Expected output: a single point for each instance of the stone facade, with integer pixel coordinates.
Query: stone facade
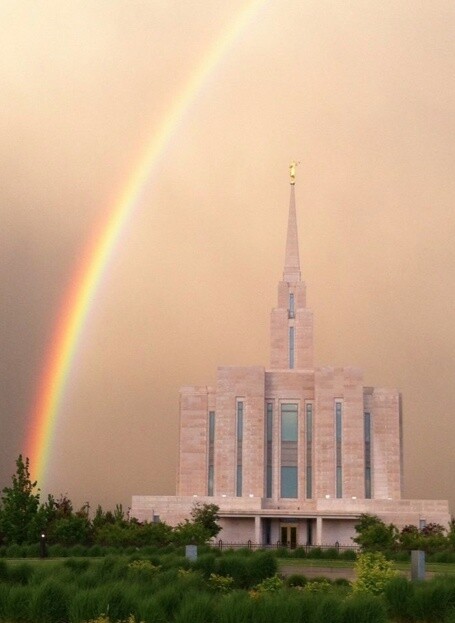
(295, 452)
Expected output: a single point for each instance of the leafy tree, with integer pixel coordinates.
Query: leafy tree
(206, 516)
(431, 538)
(19, 518)
(72, 530)
(374, 535)
(202, 527)
(373, 573)
(133, 533)
(190, 532)
(410, 538)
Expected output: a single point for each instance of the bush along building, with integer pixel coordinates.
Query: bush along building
(292, 453)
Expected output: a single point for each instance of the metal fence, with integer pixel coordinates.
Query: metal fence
(220, 544)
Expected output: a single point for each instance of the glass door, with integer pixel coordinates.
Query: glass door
(289, 535)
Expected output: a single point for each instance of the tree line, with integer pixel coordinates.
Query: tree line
(374, 535)
(24, 518)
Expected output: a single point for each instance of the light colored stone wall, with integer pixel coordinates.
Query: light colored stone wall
(353, 458)
(326, 388)
(341, 530)
(386, 438)
(339, 516)
(279, 336)
(237, 530)
(295, 386)
(246, 384)
(303, 328)
(192, 473)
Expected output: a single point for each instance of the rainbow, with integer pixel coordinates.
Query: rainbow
(80, 297)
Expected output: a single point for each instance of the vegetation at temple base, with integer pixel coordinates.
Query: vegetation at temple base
(116, 569)
(156, 586)
(23, 518)
(374, 535)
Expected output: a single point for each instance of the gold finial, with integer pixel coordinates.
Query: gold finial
(292, 168)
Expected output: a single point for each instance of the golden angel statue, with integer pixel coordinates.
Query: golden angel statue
(292, 168)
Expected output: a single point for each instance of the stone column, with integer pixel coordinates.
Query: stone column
(258, 530)
(318, 530)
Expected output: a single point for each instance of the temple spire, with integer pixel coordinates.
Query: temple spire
(292, 261)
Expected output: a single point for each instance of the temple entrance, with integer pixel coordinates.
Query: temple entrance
(289, 535)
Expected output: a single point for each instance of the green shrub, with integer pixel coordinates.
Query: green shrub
(373, 573)
(18, 604)
(196, 608)
(446, 556)
(316, 553)
(120, 600)
(4, 591)
(399, 594)
(87, 579)
(433, 601)
(317, 585)
(3, 551)
(328, 609)
(3, 571)
(299, 552)
(142, 570)
(343, 582)
(112, 568)
(84, 606)
(348, 554)
(206, 564)
(57, 551)
(15, 551)
(269, 585)
(364, 608)
(296, 579)
(221, 583)
(399, 556)
(95, 551)
(189, 579)
(50, 603)
(331, 553)
(277, 608)
(169, 598)
(236, 607)
(20, 574)
(261, 566)
(77, 565)
(236, 567)
(77, 551)
(283, 552)
(31, 551)
(150, 611)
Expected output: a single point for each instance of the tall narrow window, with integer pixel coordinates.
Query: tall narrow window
(289, 450)
(309, 450)
(338, 457)
(211, 453)
(268, 450)
(367, 442)
(291, 305)
(291, 347)
(239, 475)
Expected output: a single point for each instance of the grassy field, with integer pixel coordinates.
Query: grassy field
(299, 564)
(296, 565)
(228, 587)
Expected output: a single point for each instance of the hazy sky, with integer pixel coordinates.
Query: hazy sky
(361, 92)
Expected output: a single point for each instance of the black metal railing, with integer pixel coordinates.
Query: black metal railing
(284, 545)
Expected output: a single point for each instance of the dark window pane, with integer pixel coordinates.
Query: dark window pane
(289, 482)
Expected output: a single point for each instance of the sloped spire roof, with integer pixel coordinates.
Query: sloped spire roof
(292, 259)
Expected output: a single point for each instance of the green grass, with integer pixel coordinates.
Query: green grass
(445, 568)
